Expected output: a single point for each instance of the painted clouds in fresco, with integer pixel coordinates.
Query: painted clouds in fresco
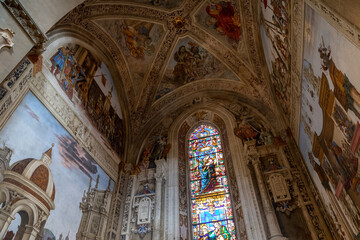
(29, 132)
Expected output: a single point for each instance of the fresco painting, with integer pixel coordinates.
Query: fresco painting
(32, 130)
(88, 84)
(329, 127)
(138, 42)
(191, 62)
(275, 33)
(168, 4)
(221, 18)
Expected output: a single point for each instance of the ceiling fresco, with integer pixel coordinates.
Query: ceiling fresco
(164, 56)
(191, 62)
(167, 4)
(138, 41)
(221, 19)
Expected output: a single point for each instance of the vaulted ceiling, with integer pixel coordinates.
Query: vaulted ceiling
(165, 55)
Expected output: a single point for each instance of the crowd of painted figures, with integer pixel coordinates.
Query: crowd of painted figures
(74, 68)
(277, 30)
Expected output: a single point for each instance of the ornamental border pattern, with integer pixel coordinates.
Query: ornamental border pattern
(297, 22)
(309, 192)
(183, 188)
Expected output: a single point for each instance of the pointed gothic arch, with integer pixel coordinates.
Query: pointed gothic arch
(212, 212)
(246, 209)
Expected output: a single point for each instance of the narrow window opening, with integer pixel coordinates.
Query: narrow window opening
(212, 215)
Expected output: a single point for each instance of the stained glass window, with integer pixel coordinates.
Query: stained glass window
(212, 216)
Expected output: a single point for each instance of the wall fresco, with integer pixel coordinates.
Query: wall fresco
(138, 42)
(191, 62)
(30, 131)
(275, 33)
(88, 84)
(329, 127)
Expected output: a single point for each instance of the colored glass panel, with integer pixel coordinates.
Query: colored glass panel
(217, 184)
(204, 146)
(211, 206)
(215, 230)
(203, 131)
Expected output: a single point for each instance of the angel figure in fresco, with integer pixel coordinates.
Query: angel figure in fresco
(138, 41)
(245, 131)
(219, 233)
(189, 63)
(131, 38)
(227, 20)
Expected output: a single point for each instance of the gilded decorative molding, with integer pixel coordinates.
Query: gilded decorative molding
(24, 19)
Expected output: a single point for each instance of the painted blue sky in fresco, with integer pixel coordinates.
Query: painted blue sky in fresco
(29, 132)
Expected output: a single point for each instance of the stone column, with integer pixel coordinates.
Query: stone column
(126, 221)
(20, 233)
(159, 176)
(30, 233)
(5, 220)
(272, 223)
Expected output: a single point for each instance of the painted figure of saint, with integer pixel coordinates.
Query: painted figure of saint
(58, 61)
(227, 20)
(183, 62)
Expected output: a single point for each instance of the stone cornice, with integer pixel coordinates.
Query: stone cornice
(18, 11)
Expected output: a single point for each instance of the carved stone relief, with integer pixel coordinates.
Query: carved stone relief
(6, 38)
